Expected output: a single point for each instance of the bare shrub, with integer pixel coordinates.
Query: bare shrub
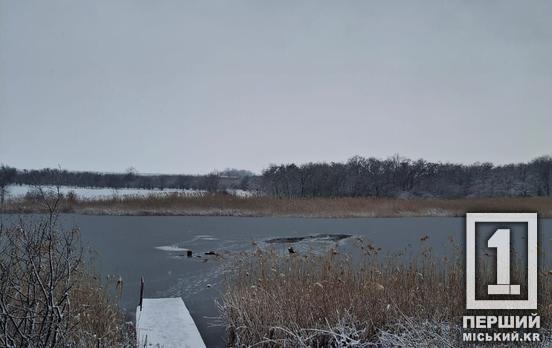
(48, 298)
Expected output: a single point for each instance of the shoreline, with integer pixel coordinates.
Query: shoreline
(222, 205)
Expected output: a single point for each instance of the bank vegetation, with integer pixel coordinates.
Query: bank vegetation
(49, 295)
(355, 298)
(227, 205)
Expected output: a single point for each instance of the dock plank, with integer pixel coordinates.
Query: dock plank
(167, 323)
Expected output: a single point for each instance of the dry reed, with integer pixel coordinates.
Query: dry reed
(227, 205)
(336, 300)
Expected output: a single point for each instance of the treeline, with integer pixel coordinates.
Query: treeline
(216, 181)
(358, 177)
(402, 177)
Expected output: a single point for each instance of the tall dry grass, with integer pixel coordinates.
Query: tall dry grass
(98, 320)
(335, 300)
(227, 205)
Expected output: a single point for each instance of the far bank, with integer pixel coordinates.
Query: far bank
(227, 205)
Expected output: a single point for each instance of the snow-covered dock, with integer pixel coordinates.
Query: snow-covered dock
(166, 322)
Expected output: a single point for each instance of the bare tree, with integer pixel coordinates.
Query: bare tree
(543, 173)
(7, 175)
(47, 297)
(37, 264)
(211, 182)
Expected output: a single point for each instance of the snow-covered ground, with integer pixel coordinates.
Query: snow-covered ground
(94, 193)
(241, 193)
(18, 191)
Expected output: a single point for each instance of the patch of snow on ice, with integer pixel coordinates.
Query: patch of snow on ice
(170, 248)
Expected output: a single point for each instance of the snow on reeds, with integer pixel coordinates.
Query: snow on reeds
(334, 299)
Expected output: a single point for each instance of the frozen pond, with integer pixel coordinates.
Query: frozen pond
(155, 247)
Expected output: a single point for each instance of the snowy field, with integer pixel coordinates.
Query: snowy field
(93, 193)
(241, 193)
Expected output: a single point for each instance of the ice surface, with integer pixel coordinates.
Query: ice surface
(170, 248)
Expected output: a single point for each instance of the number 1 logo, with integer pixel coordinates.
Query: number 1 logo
(500, 240)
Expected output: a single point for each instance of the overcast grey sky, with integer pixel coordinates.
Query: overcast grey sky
(191, 86)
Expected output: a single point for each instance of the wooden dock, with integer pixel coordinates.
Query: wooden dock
(166, 323)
